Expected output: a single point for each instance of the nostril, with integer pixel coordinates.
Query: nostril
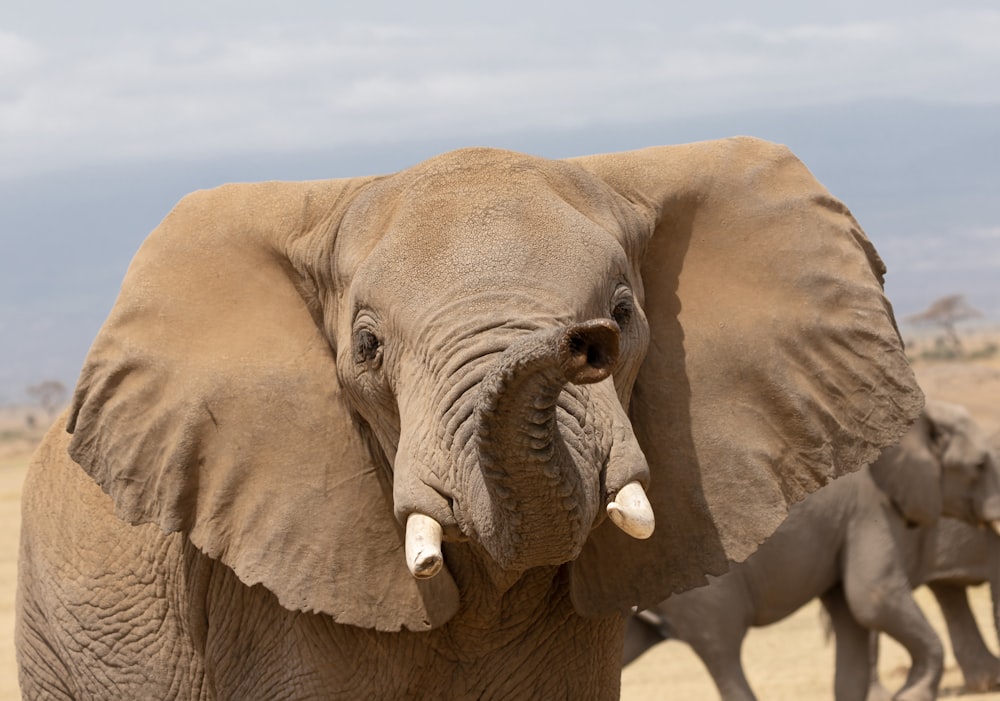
(591, 350)
(592, 354)
(596, 357)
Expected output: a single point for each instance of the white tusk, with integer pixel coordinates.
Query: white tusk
(423, 546)
(630, 511)
(995, 525)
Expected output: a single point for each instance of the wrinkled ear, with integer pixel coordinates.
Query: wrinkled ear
(774, 363)
(910, 474)
(209, 404)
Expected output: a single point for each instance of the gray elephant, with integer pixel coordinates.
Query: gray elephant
(967, 556)
(949, 557)
(405, 436)
(844, 544)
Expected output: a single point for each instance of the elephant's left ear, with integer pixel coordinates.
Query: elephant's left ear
(774, 362)
(209, 404)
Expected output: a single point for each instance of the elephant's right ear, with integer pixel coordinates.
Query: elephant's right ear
(774, 362)
(209, 403)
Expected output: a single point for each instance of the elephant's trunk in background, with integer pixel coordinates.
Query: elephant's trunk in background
(539, 461)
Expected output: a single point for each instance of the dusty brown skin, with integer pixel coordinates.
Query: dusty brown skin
(857, 544)
(487, 344)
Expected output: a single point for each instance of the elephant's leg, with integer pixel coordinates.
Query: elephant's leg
(714, 620)
(720, 649)
(876, 690)
(852, 661)
(640, 635)
(43, 675)
(979, 667)
(879, 596)
(905, 622)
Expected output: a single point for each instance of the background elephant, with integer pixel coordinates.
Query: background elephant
(405, 436)
(949, 557)
(844, 544)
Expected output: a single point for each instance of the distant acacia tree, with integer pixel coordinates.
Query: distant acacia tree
(50, 395)
(946, 312)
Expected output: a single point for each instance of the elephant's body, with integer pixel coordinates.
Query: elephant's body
(409, 435)
(171, 623)
(949, 557)
(860, 544)
(846, 528)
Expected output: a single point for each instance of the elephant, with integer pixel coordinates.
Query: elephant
(949, 557)
(967, 556)
(844, 544)
(433, 434)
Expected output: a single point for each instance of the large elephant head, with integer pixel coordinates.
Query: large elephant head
(945, 465)
(494, 356)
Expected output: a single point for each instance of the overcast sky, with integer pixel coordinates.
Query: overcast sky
(98, 81)
(110, 111)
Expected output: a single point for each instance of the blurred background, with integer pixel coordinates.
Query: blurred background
(111, 111)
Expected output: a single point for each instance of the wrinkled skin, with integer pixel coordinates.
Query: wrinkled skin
(432, 434)
(854, 543)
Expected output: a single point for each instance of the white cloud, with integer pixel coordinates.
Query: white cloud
(948, 250)
(831, 33)
(991, 234)
(272, 88)
(17, 54)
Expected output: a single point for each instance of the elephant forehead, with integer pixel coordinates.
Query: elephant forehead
(477, 214)
(469, 247)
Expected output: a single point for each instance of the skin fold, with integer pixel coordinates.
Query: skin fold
(860, 544)
(433, 434)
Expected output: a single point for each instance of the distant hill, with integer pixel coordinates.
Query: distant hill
(923, 180)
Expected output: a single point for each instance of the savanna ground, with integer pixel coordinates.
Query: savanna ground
(789, 660)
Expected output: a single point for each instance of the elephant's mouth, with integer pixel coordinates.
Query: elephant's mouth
(628, 508)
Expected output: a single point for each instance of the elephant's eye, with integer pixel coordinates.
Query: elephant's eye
(367, 347)
(622, 313)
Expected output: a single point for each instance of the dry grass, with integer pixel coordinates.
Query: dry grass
(12, 468)
(791, 659)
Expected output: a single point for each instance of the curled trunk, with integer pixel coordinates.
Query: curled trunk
(539, 461)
